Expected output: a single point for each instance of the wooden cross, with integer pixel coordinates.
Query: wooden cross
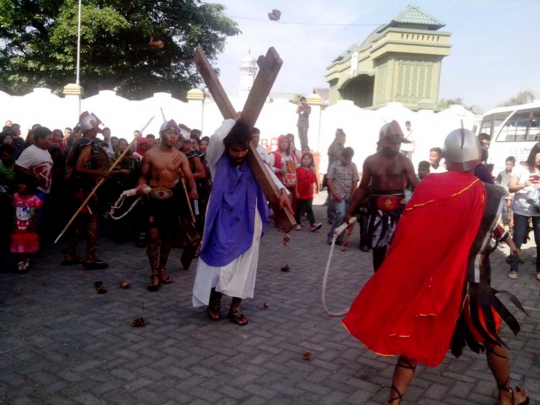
(269, 67)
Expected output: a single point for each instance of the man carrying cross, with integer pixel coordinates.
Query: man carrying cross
(237, 214)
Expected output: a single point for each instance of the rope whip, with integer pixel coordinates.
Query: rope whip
(337, 232)
(128, 193)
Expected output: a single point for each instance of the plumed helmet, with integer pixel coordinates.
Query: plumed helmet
(462, 151)
(89, 121)
(168, 125)
(392, 129)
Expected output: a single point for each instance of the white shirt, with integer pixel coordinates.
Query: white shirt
(262, 153)
(39, 162)
(439, 169)
(408, 147)
(520, 205)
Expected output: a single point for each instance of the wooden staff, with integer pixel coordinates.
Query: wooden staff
(189, 251)
(98, 185)
(188, 200)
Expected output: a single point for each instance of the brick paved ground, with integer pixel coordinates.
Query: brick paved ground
(61, 343)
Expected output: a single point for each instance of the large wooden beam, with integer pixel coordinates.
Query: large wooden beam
(269, 66)
(214, 85)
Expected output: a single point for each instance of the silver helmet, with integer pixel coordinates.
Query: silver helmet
(462, 151)
(391, 130)
(89, 121)
(168, 125)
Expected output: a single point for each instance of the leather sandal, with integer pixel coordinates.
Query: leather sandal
(164, 278)
(237, 316)
(72, 261)
(95, 265)
(154, 283)
(214, 312)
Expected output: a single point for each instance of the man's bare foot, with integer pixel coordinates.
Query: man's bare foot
(517, 396)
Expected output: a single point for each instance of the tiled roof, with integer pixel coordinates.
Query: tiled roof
(415, 15)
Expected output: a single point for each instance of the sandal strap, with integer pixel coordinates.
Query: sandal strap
(398, 398)
(407, 365)
(503, 387)
(237, 313)
(491, 351)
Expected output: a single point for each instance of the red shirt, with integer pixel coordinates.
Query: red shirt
(304, 183)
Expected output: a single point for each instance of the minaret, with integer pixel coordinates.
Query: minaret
(248, 70)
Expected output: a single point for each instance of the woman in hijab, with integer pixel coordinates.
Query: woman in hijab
(143, 145)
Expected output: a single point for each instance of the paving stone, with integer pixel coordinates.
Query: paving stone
(61, 343)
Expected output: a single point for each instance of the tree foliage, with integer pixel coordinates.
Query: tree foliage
(38, 44)
(522, 97)
(445, 103)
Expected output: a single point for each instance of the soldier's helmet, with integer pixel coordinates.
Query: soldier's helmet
(462, 151)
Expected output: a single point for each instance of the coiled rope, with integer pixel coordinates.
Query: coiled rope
(128, 193)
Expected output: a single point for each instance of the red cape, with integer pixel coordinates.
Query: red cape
(411, 304)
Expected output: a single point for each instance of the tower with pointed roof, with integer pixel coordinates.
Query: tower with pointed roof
(399, 62)
(248, 70)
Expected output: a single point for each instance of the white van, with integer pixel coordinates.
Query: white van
(514, 131)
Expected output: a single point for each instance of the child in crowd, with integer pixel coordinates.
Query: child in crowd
(7, 168)
(305, 180)
(503, 180)
(423, 169)
(24, 238)
(342, 182)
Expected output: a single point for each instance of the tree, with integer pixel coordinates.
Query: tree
(38, 42)
(445, 103)
(523, 97)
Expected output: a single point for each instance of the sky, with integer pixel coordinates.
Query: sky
(495, 48)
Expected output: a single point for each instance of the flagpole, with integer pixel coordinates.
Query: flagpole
(79, 42)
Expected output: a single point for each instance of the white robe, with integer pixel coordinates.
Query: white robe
(236, 279)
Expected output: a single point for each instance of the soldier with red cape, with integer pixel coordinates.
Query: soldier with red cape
(432, 292)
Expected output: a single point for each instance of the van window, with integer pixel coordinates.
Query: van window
(534, 128)
(516, 127)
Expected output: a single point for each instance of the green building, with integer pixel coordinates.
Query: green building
(399, 62)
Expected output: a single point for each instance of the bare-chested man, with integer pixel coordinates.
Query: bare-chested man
(388, 173)
(86, 164)
(161, 171)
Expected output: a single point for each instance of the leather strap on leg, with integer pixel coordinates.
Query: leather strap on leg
(490, 351)
(398, 398)
(407, 364)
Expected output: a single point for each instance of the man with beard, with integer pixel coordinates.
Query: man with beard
(388, 173)
(236, 216)
(161, 171)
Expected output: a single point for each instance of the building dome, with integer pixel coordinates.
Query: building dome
(248, 61)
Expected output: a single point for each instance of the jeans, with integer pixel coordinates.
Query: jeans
(330, 209)
(521, 229)
(306, 205)
(302, 134)
(339, 214)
